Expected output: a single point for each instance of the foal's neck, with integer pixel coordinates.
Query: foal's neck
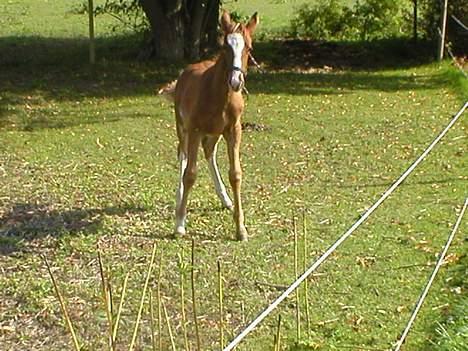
(220, 79)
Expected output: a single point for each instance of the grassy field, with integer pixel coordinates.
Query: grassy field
(88, 156)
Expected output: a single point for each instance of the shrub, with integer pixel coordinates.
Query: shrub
(377, 19)
(366, 20)
(324, 20)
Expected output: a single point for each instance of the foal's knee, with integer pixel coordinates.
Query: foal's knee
(235, 177)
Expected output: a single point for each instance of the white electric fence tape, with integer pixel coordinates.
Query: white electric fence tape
(332, 248)
(431, 279)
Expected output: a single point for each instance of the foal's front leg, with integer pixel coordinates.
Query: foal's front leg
(233, 140)
(188, 168)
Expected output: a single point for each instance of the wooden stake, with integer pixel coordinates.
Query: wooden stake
(182, 299)
(159, 304)
(119, 311)
(243, 312)
(63, 307)
(296, 274)
(221, 309)
(168, 326)
(143, 295)
(440, 55)
(194, 304)
(92, 48)
(107, 297)
(277, 346)
(153, 334)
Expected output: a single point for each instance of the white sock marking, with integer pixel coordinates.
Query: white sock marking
(180, 221)
(218, 182)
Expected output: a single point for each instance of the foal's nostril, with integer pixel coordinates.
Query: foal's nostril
(236, 85)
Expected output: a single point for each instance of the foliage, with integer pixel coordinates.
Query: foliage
(376, 19)
(128, 12)
(323, 20)
(430, 21)
(365, 20)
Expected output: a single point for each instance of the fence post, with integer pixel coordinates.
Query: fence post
(92, 49)
(415, 20)
(442, 32)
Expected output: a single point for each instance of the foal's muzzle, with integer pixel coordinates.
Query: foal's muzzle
(237, 79)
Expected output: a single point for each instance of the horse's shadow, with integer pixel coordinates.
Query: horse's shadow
(29, 222)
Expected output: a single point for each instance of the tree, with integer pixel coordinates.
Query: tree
(182, 28)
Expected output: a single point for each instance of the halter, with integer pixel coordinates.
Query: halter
(235, 68)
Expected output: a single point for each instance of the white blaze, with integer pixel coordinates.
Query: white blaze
(236, 42)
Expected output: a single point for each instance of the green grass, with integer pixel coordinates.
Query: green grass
(88, 155)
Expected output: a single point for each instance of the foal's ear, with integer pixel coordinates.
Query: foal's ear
(226, 23)
(253, 23)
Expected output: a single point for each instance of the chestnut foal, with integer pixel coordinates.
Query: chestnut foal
(209, 104)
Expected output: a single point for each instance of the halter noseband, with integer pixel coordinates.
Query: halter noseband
(235, 68)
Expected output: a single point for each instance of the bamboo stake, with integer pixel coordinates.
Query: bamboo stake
(277, 346)
(159, 304)
(153, 336)
(195, 315)
(243, 312)
(182, 299)
(221, 309)
(107, 297)
(119, 311)
(143, 295)
(296, 274)
(306, 282)
(168, 326)
(63, 307)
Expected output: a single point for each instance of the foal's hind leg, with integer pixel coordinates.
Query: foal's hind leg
(210, 147)
(188, 176)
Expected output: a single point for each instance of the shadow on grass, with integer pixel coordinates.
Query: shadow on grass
(31, 222)
(305, 54)
(40, 72)
(294, 83)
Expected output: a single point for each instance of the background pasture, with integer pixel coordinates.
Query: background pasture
(87, 156)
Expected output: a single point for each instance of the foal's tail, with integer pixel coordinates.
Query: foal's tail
(168, 91)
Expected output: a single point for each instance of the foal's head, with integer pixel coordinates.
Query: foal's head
(238, 44)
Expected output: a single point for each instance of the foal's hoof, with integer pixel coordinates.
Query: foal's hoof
(228, 205)
(179, 231)
(242, 234)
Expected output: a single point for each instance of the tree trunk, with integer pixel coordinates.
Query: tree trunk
(194, 36)
(415, 20)
(182, 28)
(167, 26)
